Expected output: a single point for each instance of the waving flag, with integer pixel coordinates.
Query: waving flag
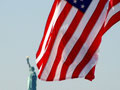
(72, 36)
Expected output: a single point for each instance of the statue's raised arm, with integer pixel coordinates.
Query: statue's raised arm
(27, 58)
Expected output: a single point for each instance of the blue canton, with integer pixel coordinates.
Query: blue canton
(82, 5)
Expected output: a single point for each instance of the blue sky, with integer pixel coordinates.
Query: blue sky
(22, 24)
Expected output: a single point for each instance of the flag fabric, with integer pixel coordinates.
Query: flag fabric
(70, 44)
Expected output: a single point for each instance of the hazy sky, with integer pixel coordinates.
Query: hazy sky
(22, 24)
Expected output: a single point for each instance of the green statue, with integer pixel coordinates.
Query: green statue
(32, 77)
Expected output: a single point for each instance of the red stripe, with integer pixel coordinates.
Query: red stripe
(56, 2)
(87, 57)
(114, 19)
(82, 39)
(56, 28)
(90, 76)
(114, 2)
(63, 43)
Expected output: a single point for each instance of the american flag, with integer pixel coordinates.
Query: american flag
(72, 36)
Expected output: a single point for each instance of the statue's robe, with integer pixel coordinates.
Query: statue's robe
(32, 81)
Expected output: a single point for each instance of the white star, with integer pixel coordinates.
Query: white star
(82, 6)
(74, 1)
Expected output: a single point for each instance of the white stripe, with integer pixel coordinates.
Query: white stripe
(58, 10)
(89, 66)
(61, 32)
(112, 12)
(40, 68)
(88, 42)
(76, 36)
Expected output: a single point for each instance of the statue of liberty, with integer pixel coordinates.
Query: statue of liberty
(32, 77)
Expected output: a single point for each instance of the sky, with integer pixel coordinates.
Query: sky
(22, 25)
